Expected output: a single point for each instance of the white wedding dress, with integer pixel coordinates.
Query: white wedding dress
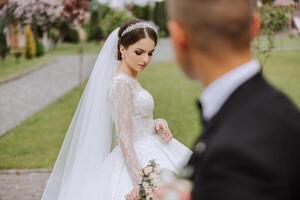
(137, 142)
(87, 167)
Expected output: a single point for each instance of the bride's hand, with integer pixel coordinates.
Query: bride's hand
(162, 128)
(134, 194)
(177, 189)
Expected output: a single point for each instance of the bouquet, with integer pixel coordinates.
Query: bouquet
(150, 181)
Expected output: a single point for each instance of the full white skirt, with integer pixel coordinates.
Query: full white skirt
(112, 181)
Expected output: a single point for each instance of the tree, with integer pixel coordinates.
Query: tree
(273, 20)
(6, 16)
(160, 18)
(142, 12)
(114, 19)
(75, 11)
(98, 12)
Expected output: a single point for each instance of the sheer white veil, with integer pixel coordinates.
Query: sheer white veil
(88, 139)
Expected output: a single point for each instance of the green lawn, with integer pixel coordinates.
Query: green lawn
(281, 42)
(283, 70)
(175, 99)
(287, 42)
(35, 143)
(71, 49)
(9, 67)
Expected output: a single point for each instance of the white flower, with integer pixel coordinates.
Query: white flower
(148, 170)
(151, 196)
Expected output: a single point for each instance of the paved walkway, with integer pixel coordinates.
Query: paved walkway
(22, 184)
(22, 97)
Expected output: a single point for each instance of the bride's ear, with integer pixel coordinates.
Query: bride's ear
(122, 49)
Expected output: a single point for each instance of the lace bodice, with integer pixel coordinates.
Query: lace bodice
(132, 113)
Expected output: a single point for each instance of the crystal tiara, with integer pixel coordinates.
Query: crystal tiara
(138, 25)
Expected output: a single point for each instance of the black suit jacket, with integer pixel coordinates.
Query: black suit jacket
(250, 150)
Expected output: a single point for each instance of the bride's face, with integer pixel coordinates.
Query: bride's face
(138, 55)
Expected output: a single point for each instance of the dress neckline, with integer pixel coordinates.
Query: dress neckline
(126, 75)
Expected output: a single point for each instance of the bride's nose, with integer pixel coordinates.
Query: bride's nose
(146, 59)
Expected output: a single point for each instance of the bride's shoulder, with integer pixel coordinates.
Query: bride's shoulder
(122, 81)
(121, 78)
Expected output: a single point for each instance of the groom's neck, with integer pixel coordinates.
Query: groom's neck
(207, 69)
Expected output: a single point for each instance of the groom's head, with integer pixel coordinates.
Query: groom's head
(211, 28)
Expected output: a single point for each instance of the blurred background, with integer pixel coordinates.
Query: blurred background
(48, 48)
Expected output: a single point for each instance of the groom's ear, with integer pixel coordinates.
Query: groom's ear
(178, 35)
(255, 25)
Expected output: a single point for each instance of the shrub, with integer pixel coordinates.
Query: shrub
(40, 50)
(95, 33)
(160, 18)
(273, 20)
(54, 35)
(67, 32)
(94, 30)
(144, 12)
(30, 46)
(4, 49)
(112, 20)
(71, 35)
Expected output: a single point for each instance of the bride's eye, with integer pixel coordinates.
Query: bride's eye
(138, 53)
(150, 54)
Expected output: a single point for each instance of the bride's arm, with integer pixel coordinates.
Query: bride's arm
(124, 125)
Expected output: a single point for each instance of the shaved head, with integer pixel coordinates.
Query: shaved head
(213, 24)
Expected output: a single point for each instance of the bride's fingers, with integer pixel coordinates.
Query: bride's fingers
(164, 128)
(160, 126)
(156, 126)
(169, 136)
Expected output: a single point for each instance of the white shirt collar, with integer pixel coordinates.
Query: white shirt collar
(215, 95)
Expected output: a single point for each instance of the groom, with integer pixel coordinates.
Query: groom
(250, 146)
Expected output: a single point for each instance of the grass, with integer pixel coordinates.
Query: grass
(35, 143)
(71, 49)
(9, 67)
(175, 100)
(287, 42)
(283, 70)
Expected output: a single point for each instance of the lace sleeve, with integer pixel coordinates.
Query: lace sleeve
(122, 109)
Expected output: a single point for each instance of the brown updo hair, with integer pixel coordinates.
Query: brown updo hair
(134, 36)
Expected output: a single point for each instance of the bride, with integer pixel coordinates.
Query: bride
(113, 135)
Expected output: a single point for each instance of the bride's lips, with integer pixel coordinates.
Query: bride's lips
(143, 66)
